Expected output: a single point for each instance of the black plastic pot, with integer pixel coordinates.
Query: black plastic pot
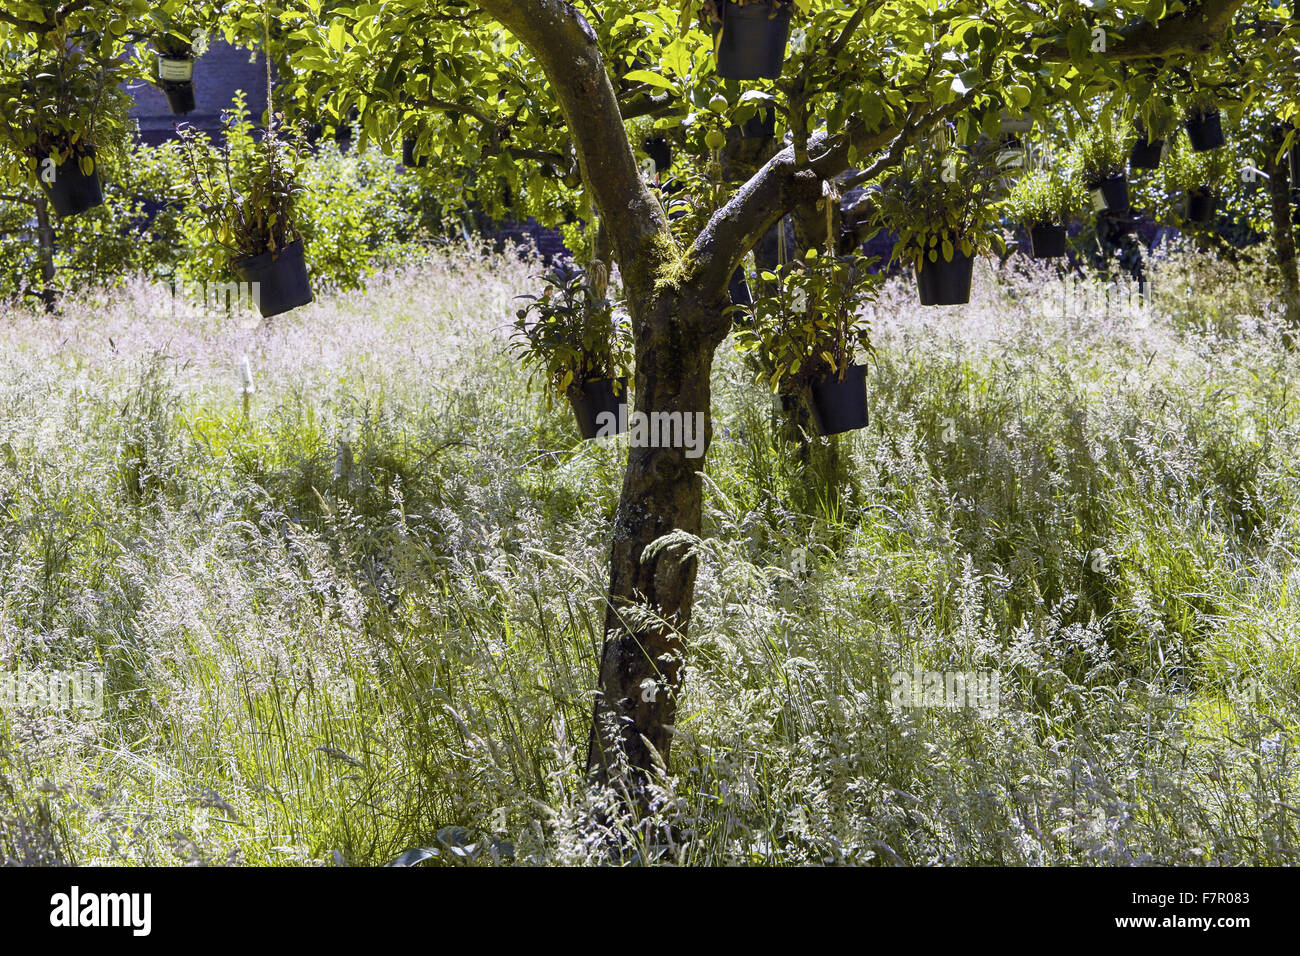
(750, 44)
(1110, 194)
(1205, 132)
(1200, 206)
(658, 149)
(73, 192)
(282, 279)
(1146, 153)
(409, 159)
(943, 282)
(343, 136)
(738, 289)
(180, 97)
(762, 125)
(840, 406)
(594, 397)
(1047, 242)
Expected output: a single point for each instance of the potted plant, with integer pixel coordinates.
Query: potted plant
(1044, 202)
(1147, 150)
(411, 157)
(940, 207)
(180, 39)
(175, 68)
(1192, 182)
(749, 37)
(570, 336)
(660, 152)
(245, 191)
(62, 113)
(1100, 155)
(1204, 126)
(808, 336)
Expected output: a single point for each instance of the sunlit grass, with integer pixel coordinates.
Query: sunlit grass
(364, 618)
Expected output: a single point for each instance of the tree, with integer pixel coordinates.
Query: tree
(862, 84)
(540, 106)
(63, 64)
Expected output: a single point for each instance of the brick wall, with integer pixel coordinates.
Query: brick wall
(221, 71)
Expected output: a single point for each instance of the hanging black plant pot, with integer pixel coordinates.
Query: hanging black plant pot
(596, 396)
(72, 192)
(180, 96)
(1146, 152)
(1200, 206)
(762, 125)
(840, 406)
(658, 149)
(1047, 242)
(1110, 194)
(1205, 131)
(343, 136)
(750, 44)
(943, 282)
(282, 281)
(175, 69)
(738, 288)
(409, 159)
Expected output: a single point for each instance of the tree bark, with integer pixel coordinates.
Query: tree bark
(650, 594)
(1279, 194)
(45, 241)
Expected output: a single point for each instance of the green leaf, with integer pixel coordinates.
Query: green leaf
(338, 36)
(645, 76)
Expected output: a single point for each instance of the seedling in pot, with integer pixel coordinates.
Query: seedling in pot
(942, 207)
(810, 335)
(246, 192)
(570, 336)
(1101, 152)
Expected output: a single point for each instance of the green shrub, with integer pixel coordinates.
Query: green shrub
(357, 213)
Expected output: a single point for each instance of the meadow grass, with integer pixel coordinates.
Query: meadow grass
(363, 617)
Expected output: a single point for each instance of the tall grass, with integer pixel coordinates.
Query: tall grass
(364, 619)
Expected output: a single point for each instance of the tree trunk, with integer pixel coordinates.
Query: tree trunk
(650, 596)
(45, 249)
(1279, 194)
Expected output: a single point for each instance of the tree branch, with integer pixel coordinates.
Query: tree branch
(1193, 31)
(772, 192)
(565, 46)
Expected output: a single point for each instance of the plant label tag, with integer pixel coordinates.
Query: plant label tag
(1098, 200)
(175, 70)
